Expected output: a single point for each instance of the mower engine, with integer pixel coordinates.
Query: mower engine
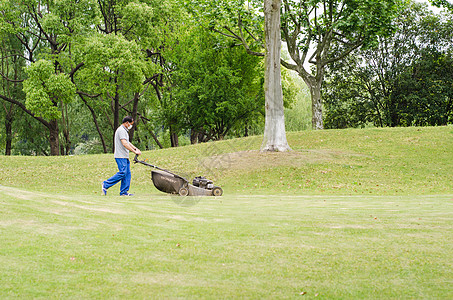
(203, 182)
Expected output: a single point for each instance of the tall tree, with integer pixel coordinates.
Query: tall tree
(239, 20)
(323, 32)
(123, 58)
(317, 33)
(274, 130)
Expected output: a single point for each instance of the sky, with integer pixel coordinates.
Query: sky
(433, 8)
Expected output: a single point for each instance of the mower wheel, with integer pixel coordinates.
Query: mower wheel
(183, 191)
(217, 191)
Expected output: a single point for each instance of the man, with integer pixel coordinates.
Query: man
(122, 148)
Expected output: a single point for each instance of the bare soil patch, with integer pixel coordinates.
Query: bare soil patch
(254, 159)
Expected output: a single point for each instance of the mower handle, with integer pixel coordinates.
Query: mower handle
(153, 166)
(143, 162)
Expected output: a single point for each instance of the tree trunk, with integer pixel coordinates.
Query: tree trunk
(153, 135)
(316, 104)
(274, 130)
(193, 136)
(65, 145)
(95, 120)
(116, 114)
(174, 137)
(156, 139)
(53, 138)
(9, 131)
(134, 115)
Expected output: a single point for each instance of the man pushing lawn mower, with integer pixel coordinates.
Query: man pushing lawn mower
(121, 154)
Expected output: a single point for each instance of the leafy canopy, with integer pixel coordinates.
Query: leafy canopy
(45, 89)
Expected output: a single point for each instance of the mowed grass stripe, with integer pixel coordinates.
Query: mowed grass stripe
(258, 246)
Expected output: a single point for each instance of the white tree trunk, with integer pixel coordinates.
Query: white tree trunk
(274, 130)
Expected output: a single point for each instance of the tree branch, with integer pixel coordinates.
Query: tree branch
(22, 106)
(342, 55)
(87, 95)
(11, 80)
(289, 66)
(76, 68)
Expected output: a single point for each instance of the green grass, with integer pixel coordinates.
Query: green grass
(229, 247)
(349, 214)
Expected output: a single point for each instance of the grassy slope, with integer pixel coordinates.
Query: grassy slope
(60, 239)
(398, 161)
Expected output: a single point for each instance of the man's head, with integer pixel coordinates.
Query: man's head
(128, 122)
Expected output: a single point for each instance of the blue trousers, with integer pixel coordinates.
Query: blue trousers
(123, 175)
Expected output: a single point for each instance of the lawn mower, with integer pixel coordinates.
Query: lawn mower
(171, 183)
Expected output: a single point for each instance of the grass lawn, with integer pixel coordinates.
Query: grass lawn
(227, 247)
(353, 214)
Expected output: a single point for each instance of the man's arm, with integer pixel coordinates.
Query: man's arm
(130, 147)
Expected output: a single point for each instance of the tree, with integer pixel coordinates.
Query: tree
(123, 58)
(11, 86)
(317, 32)
(45, 29)
(274, 130)
(113, 71)
(223, 89)
(223, 17)
(425, 91)
(331, 30)
(45, 90)
(107, 49)
(402, 81)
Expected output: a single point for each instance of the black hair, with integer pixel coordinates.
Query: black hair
(128, 119)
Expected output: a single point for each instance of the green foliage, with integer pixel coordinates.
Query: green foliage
(224, 89)
(298, 114)
(112, 62)
(405, 80)
(425, 93)
(225, 16)
(30, 137)
(45, 89)
(9, 12)
(290, 88)
(151, 23)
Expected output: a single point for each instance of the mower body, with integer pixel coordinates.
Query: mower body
(173, 184)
